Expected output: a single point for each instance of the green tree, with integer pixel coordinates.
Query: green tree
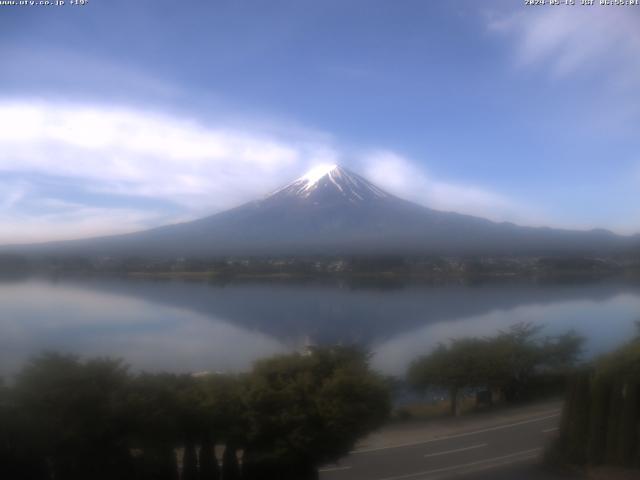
(224, 412)
(70, 419)
(209, 469)
(305, 410)
(191, 421)
(230, 467)
(462, 363)
(154, 410)
(74, 411)
(574, 427)
(517, 354)
(507, 361)
(520, 354)
(563, 351)
(225, 422)
(600, 396)
(613, 407)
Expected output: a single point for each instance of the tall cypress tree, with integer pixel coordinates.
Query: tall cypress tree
(628, 432)
(209, 469)
(230, 467)
(612, 451)
(189, 461)
(574, 429)
(598, 415)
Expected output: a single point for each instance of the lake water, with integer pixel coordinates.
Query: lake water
(190, 326)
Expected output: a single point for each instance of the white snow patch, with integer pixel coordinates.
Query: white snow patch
(349, 185)
(314, 175)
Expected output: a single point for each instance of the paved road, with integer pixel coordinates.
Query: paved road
(502, 450)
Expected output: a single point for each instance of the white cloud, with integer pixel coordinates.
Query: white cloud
(119, 152)
(402, 177)
(68, 221)
(576, 39)
(11, 194)
(144, 153)
(148, 169)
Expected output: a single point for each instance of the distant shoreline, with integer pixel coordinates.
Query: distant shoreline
(356, 269)
(384, 276)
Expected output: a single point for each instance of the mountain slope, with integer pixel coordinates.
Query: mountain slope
(332, 210)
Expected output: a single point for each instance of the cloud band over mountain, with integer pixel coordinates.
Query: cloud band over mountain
(73, 171)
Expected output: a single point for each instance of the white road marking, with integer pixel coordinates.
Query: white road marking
(334, 469)
(488, 466)
(524, 455)
(548, 430)
(446, 452)
(459, 435)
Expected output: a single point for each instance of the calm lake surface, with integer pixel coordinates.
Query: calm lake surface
(190, 326)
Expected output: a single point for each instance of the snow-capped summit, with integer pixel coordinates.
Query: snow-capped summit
(319, 171)
(331, 180)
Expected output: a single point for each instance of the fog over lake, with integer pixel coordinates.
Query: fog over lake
(191, 326)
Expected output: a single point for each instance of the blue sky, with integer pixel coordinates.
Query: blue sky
(118, 116)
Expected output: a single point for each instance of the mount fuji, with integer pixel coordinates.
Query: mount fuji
(332, 210)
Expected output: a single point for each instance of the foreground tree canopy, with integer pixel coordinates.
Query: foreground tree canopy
(67, 419)
(601, 416)
(508, 362)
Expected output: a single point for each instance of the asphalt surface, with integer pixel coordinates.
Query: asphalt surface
(500, 451)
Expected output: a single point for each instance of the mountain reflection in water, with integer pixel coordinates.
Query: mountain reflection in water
(192, 326)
